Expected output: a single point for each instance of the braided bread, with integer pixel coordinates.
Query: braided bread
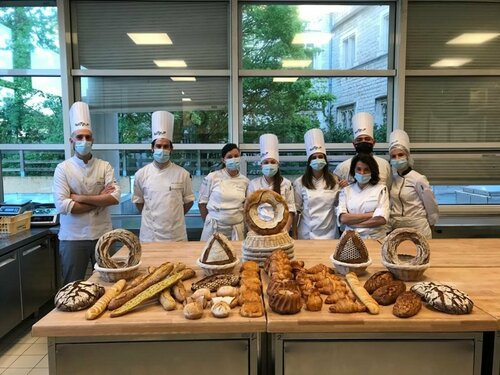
(395, 238)
(127, 238)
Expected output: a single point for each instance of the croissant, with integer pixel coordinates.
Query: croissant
(335, 297)
(314, 301)
(318, 268)
(346, 306)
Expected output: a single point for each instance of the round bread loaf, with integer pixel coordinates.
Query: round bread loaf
(280, 210)
(127, 238)
(377, 280)
(444, 298)
(395, 238)
(78, 295)
(407, 305)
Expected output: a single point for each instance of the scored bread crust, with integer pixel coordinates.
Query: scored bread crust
(280, 208)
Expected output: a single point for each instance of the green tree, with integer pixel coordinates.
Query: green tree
(285, 109)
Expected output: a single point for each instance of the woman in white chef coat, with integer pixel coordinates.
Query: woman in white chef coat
(222, 197)
(316, 192)
(364, 204)
(163, 190)
(413, 204)
(271, 177)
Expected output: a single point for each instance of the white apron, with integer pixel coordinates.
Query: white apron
(320, 222)
(419, 223)
(225, 211)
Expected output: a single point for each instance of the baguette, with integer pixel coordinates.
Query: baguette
(167, 301)
(189, 273)
(150, 292)
(160, 273)
(136, 281)
(362, 294)
(99, 307)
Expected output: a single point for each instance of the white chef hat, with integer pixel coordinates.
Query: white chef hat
(79, 117)
(399, 139)
(269, 147)
(362, 124)
(162, 125)
(314, 141)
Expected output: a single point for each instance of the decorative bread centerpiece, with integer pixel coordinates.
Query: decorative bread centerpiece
(403, 266)
(217, 255)
(266, 214)
(112, 269)
(350, 254)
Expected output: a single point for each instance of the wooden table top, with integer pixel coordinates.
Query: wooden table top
(472, 265)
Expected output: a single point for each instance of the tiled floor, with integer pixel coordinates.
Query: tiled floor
(22, 354)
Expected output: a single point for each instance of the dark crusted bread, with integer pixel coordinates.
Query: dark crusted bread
(444, 298)
(387, 294)
(407, 305)
(377, 280)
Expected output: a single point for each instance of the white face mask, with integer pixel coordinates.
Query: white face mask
(161, 156)
(83, 147)
(232, 164)
(269, 170)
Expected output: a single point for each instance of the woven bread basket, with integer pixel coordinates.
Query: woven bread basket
(215, 269)
(114, 274)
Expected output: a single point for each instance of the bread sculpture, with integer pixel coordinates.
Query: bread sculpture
(351, 254)
(259, 224)
(403, 266)
(78, 295)
(217, 256)
(444, 297)
(127, 238)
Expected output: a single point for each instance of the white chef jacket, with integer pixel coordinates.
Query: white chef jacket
(373, 198)
(286, 190)
(164, 193)
(225, 199)
(384, 169)
(413, 204)
(317, 207)
(73, 176)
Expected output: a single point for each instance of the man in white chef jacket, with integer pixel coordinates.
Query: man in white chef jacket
(362, 127)
(84, 187)
(163, 191)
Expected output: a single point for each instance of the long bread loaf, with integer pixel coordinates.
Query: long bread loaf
(361, 293)
(159, 274)
(147, 294)
(99, 307)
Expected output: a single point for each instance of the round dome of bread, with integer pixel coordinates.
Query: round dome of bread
(266, 212)
(351, 248)
(78, 295)
(395, 238)
(218, 250)
(128, 239)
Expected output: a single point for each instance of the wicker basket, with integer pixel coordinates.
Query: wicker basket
(15, 224)
(114, 274)
(406, 272)
(214, 269)
(344, 268)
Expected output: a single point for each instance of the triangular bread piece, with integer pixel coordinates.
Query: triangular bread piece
(351, 248)
(218, 250)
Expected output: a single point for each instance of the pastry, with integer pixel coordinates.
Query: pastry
(314, 301)
(444, 298)
(205, 292)
(250, 266)
(220, 309)
(407, 305)
(254, 220)
(248, 296)
(227, 291)
(339, 295)
(179, 291)
(78, 295)
(285, 301)
(249, 274)
(193, 310)
(127, 238)
(387, 294)
(252, 310)
(377, 280)
(347, 306)
(361, 293)
(251, 287)
(214, 282)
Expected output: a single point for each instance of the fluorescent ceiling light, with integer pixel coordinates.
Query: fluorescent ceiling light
(285, 79)
(170, 63)
(150, 38)
(473, 38)
(186, 99)
(183, 79)
(447, 63)
(312, 37)
(296, 63)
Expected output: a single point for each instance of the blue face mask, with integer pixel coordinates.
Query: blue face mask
(399, 164)
(363, 179)
(83, 147)
(232, 164)
(269, 170)
(317, 164)
(161, 156)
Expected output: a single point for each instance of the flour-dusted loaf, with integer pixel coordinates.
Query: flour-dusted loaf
(78, 295)
(444, 298)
